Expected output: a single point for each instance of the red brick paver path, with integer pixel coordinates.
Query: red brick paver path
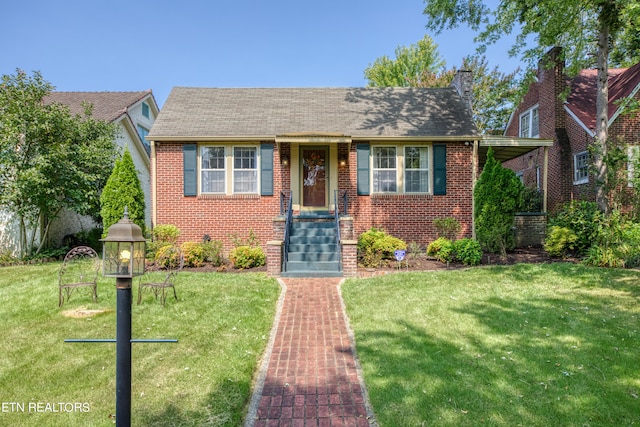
(311, 374)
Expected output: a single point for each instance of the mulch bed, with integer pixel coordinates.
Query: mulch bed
(420, 263)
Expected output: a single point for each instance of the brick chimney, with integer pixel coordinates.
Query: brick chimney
(463, 82)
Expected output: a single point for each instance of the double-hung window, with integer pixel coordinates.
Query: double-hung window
(403, 169)
(530, 123)
(245, 170)
(222, 164)
(581, 168)
(212, 170)
(385, 173)
(416, 169)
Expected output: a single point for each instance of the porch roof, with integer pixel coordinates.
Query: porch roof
(506, 148)
(207, 114)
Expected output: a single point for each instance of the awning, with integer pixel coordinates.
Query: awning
(506, 148)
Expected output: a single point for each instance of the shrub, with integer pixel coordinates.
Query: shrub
(467, 251)
(618, 243)
(212, 251)
(162, 235)
(375, 244)
(122, 189)
(243, 257)
(193, 253)
(413, 250)
(441, 249)
(447, 227)
(603, 256)
(584, 219)
(166, 255)
(560, 241)
(497, 198)
(631, 237)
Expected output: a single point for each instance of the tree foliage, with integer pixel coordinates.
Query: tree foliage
(584, 28)
(408, 67)
(50, 160)
(123, 189)
(420, 65)
(497, 198)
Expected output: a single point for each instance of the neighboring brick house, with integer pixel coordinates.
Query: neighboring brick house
(545, 113)
(227, 161)
(134, 114)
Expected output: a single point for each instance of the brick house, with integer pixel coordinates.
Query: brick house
(227, 161)
(570, 122)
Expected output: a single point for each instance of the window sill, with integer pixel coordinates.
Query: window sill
(582, 181)
(402, 196)
(229, 196)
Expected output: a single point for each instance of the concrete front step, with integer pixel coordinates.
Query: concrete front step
(303, 274)
(313, 248)
(313, 256)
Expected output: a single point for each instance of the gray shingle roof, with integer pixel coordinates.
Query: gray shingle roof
(190, 113)
(107, 106)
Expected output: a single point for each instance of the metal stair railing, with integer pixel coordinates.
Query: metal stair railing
(287, 229)
(336, 195)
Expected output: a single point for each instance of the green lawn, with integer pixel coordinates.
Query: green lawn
(531, 345)
(222, 323)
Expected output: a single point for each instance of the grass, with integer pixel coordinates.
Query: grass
(531, 345)
(221, 321)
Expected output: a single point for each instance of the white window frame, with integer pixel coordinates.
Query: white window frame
(202, 169)
(230, 171)
(529, 124)
(581, 171)
(375, 169)
(400, 168)
(426, 169)
(255, 170)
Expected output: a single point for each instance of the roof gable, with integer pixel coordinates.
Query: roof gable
(204, 113)
(582, 98)
(107, 106)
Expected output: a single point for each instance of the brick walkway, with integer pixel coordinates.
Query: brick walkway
(310, 376)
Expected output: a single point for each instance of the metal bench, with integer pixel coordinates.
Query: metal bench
(78, 270)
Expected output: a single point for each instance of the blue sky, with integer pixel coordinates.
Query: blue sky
(124, 45)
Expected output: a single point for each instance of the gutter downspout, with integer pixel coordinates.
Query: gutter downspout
(545, 174)
(154, 190)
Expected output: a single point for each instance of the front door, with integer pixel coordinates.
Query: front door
(314, 177)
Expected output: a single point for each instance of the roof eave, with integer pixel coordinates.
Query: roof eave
(314, 138)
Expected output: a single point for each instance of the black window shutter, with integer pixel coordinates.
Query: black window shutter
(190, 169)
(266, 169)
(439, 169)
(364, 186)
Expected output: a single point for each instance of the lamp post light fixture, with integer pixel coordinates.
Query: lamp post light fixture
(123, 257)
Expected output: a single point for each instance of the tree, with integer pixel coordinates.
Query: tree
(50, 160)
(408, 67)
(585, 28)
(420, 65)
(497, 197)
(123, 189)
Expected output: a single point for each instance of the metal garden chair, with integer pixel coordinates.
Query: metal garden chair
(78, 270)
(169, 261)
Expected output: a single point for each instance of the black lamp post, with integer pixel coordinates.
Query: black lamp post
(123, 257)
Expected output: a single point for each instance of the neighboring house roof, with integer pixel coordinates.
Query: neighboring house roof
(113, 107)
(254, 113)
(581, 102)
(107, 106)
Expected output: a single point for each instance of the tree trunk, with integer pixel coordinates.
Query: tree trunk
(602, 117)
